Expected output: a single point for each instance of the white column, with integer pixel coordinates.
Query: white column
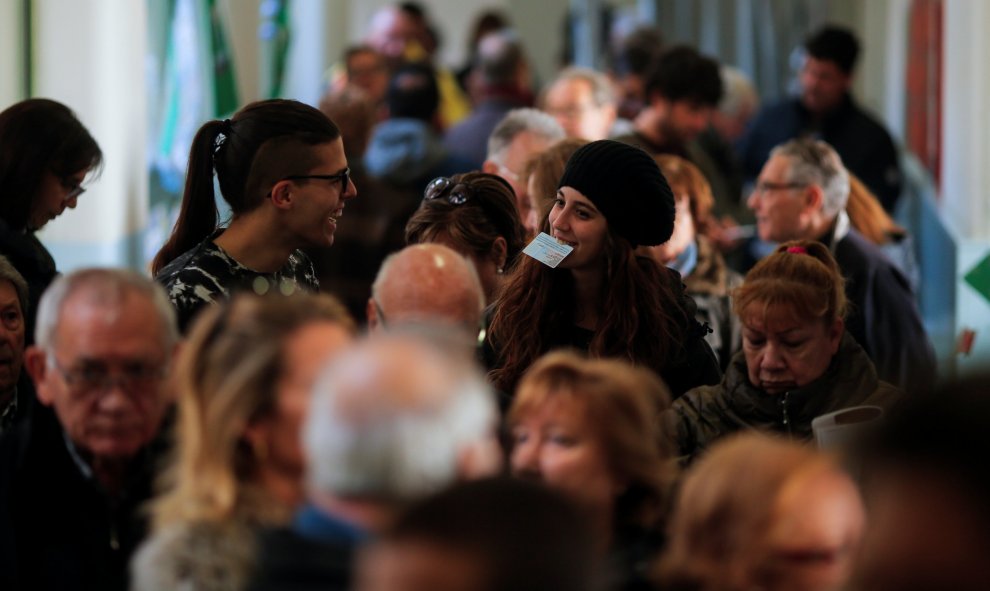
(965, 118)
(11, 53)
(90, 55)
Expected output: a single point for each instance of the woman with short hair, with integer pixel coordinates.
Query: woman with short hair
(474, 214)
(588, 427)
(797, 361)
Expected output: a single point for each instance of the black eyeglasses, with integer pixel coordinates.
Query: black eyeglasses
(458, 194)
(343, 176)
(766, 186)
(73, 189)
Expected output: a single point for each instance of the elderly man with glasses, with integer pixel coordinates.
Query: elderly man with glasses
(801, 194)
(75, 476)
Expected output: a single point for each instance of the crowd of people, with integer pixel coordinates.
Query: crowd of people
(462, 332)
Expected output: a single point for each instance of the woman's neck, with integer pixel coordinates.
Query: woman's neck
(588, 302)
(254, 243)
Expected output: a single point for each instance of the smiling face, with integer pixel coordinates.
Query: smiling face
(54, 195)
(556, 443)
(784, 353)
(318, 204)
(574, 220)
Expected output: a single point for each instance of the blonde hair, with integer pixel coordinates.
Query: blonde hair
(623, 404)
(868, 216)
(685, 179)
(227, 378)
(800, 280)
(724, 508)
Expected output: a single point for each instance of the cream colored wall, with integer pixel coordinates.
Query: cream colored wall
(90, 56)
(11, 67)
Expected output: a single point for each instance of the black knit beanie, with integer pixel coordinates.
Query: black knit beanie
(626, 185)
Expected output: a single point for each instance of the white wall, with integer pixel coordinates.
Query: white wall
(90, 56)
(11, 54)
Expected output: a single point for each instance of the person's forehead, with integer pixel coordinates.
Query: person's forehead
(8, 294)
(823, 66)
(777, 167)
(88, 326)
(523, 146)
(570, 90)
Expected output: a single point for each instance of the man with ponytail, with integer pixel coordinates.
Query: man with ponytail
(281, 167)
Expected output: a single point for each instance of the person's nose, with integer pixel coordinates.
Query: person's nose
(351, 191)
(753, 201)
(114, 399)
(772, 360)
(526, 459)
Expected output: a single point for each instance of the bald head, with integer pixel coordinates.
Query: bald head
(395, 418)
(426, 283)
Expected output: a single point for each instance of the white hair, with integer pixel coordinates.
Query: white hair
(738, 92)
(517, 121)
(397, 450)
(106, 287)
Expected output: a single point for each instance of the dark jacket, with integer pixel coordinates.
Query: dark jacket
(862, 142)
(33, 261)
(316, 553)
(884, 317)
(709, 284)
(706, 414)
(469, 138)
(59, 529)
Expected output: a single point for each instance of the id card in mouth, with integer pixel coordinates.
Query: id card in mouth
(547, 250)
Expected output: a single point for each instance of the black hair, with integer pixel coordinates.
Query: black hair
(638, 52)
(682, 73)
(834, 44)
(38, 136)
(412, 92)
(526, 536)
(261, 144)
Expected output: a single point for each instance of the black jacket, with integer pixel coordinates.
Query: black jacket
(60, 530)
(861, 141)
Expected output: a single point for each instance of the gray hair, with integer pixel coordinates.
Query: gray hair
(107, 287)
(738, 92)
(814, 162)
(500, 57)
(378, 429)
(9, 273)
(602, 92)
(517, 121)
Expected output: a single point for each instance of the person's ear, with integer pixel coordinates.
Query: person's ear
(257, 435)
(371, 312)
(490, 167)
(499, 253)
(814, 198)
(281, 194)
(35, 363)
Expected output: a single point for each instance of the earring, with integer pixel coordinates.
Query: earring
(500, 270)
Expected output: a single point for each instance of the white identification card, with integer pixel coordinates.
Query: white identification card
(547, 250)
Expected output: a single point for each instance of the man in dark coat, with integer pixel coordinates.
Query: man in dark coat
(825, 110)
(73, 478)
(801, 194)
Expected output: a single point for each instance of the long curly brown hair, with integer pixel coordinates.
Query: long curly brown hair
(641, 319)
